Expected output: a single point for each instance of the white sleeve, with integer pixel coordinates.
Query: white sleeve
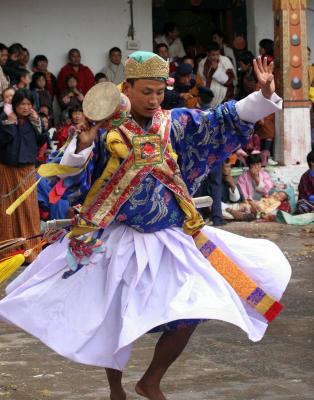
(234, 196)
(220, 76)
(75, 160)
(255, 106)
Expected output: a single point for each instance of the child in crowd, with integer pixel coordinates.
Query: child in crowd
(71, 97)
(41, 95)
(305, 202)
(254, 183)
(204, 98)
(24, 78)
(40, 64)
(265, 208)
(7, 96)
(43, 151)
(230, 193)
(100, 77)
(76, 117)
(181, 93)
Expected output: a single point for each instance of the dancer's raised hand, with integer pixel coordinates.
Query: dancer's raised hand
(265, 77)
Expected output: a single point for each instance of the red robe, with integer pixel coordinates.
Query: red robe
(84, 76)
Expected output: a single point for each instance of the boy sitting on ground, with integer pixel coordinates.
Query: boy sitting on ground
(265, 208)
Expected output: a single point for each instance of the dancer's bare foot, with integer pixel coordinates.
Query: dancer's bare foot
(149, 391)
(118, 395)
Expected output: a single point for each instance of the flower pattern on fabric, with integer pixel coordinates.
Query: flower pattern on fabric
(201, 139)
(207, 139)
(80, 251)
(77, 186)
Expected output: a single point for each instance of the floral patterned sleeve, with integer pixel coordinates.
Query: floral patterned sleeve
(203, 139)
(75, 187)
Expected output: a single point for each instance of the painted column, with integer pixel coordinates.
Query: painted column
(293, 130)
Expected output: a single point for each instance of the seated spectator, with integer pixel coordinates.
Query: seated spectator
(41, 95)
(71, 96)
(24, 78)
(12, 66)
(265, 208)
(40, 64)
(230, 193)
(64, 132)
(181, 93)
(4, 81)
(254, 183)
(218, 37)
(217, 73)
(46, 111)
(305, 202)
(204, 98)
(114, 71)
(24, 59)
(163, 51)
(191, 61)
(43, 151)
(247, 81)
(172, 40)
(7, 96)
(266, 49)
(84, 76)
(100, 77)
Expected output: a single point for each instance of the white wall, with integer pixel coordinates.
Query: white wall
(52, 27)
(260, 23)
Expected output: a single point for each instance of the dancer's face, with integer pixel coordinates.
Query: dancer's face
(145, 96)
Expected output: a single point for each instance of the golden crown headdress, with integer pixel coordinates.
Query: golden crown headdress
(146, 65)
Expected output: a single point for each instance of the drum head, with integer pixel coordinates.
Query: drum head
(101, 101)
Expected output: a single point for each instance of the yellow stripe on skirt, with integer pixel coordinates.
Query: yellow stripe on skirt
(25, 221)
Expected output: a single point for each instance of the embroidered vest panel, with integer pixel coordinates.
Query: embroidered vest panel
(147, 191)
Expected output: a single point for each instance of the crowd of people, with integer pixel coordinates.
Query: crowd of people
(40, 112)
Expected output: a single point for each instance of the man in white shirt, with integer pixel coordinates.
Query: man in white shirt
(217, 73)
(218, 37)
(172, 40)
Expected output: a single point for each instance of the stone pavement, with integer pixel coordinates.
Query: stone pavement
(219, 362)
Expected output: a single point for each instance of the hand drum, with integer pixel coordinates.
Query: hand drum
(105, 102)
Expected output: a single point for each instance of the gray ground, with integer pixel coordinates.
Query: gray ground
(219, 362)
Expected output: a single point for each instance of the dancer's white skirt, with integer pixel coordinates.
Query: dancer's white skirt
(139, 282)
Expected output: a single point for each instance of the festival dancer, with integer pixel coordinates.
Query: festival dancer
(140, 259)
